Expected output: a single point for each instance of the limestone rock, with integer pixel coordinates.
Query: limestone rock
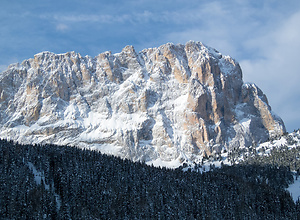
(174, 102)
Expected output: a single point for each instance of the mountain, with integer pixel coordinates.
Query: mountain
(163, 105)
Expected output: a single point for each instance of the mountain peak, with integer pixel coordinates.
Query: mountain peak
(129, 49)
(170, 103)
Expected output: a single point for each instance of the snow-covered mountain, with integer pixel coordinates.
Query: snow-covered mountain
(170, 104)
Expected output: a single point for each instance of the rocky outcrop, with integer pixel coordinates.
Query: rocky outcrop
(174, 102)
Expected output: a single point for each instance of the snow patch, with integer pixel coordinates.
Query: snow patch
(162, 163)
(294, 189)
(39, 177)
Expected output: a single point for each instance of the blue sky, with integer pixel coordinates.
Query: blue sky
(263, 36)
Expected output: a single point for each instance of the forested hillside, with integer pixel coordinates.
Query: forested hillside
(61, 182)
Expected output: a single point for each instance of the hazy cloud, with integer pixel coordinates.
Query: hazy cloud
(62, 27)
(3, 67)
(276, 70)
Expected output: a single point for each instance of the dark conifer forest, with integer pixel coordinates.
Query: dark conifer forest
(61, 182)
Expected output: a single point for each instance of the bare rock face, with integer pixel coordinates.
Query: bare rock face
(174, 102)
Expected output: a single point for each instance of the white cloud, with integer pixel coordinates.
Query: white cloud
(62, 27)
(222, 26)
(276, 70)
(139, 17)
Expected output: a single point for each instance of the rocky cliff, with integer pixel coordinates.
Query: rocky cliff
(171, 103)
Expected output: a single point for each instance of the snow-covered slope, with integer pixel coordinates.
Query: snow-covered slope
(281, 151)
(162, 105)
(294, 189)
(286, 149)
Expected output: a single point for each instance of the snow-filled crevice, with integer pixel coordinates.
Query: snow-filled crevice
(39, 178)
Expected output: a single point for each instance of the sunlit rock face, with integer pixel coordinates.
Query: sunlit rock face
(171, 103)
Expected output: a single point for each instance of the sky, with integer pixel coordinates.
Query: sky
(263, 36)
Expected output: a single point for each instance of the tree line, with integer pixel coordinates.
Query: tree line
(83, 184)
